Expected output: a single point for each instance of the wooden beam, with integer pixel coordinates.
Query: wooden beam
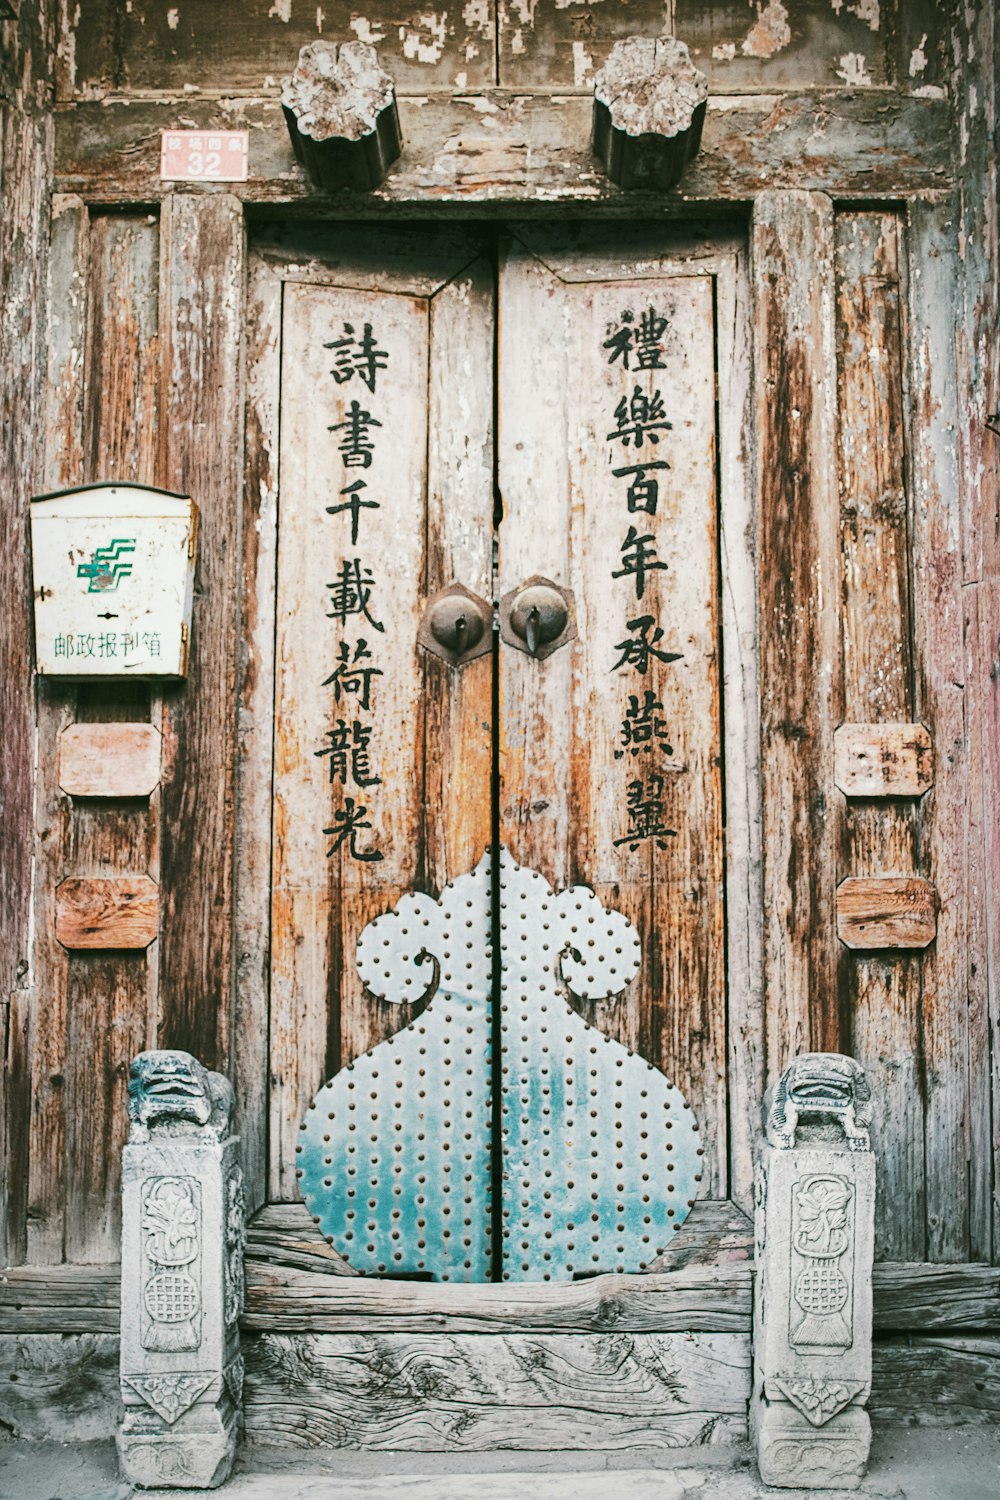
(909, 1297)
(501, 147)
(793, 341)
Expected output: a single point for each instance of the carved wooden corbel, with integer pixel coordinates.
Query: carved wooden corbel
(649, 109)
(340, 107)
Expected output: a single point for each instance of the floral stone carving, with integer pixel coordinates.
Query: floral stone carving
(182, 1275)
(814, 1234)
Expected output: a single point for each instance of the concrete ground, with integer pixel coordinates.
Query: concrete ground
(940, 1463)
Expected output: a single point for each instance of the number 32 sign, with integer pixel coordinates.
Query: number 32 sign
(204, 155)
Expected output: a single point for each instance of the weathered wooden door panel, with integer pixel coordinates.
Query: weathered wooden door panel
(602, 820)
(382, 752)
(611, 748)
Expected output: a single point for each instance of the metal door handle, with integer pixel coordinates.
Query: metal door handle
(456, 625)
(538, 617)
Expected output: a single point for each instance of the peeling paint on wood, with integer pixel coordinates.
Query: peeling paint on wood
(475, 151)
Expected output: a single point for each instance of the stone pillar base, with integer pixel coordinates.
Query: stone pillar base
(196, 1453)
(793, 1454)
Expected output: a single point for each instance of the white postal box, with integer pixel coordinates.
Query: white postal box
(113, 572)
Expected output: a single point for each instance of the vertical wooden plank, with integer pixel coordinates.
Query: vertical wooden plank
(939, 703)
(123, 353)
(982, 634)
(64, 466)
(25, 174)
(795, 372)
(975, 85)
(423, 522)
(881, 994)
(252, 929)
(741, 720)
(201, 445)
(570, 770)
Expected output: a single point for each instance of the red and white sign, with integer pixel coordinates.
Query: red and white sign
(204, 155)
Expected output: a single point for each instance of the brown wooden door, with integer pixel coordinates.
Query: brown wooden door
(618, 382)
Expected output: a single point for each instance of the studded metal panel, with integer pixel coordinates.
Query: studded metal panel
(394, 1155)
(599, 1152)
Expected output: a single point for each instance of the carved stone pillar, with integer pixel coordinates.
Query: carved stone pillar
(182, 1276)
(813, 1303)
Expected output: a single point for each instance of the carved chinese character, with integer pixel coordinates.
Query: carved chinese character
(645, 814)
(643, 726)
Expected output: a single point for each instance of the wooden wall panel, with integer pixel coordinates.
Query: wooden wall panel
(807, 43)
(26, 149)
(953, 1168)
(248, 46)
(880, 993)
(201, 279)
(795, 375)
(100, 1010)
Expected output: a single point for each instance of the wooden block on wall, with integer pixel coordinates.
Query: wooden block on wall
(109, 760)
(886, 911)
(115, 913)
(883, 760)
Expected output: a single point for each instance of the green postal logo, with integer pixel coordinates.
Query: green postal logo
(107, 567)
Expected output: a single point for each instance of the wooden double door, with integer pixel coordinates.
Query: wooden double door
(513, 730)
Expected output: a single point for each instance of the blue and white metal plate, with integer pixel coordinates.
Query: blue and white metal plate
(599, 1155)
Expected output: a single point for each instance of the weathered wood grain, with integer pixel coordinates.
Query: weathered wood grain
(699, 1299)
(60, 1299)
(201, 454)
(974, 86)
(255, 727)
(109, 760)
(883, 760)
(795, 374)
(60, 1386)
(931, 1298)
(799, 45)
(63, 466)
(921, 1298)
(879, 995)
(886, 911)
(26, 152)
(120, 912)
(567, 768)
(252, 45)
(982, 644)
(939, 1381)
(463, 1392)
(958, 1179)
(430, 478)
(494, 148)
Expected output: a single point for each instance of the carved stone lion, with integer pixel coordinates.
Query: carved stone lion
(173, 1089)
(825, 1091)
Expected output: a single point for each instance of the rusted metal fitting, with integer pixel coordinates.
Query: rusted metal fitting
(538, 617)
(456, 625)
